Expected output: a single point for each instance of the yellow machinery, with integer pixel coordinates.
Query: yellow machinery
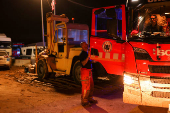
(63, 48)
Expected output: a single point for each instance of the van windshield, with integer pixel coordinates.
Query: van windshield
(5, 44)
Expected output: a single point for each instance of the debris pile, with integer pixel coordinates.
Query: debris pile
(23, 75)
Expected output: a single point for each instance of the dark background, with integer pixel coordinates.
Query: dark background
(21, 19)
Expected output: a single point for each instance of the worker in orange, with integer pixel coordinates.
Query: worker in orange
(86, 76)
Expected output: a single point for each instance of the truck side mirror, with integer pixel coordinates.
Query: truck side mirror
(112, 22)
(111, 13)
(112, 28)
(111, 16)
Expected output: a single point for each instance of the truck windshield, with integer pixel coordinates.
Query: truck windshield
(77, 35)
(5, 44)
(150, 21)
(74, 35)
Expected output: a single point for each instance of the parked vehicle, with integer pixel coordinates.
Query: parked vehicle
(123, 46)
(63, 48)
(29, 52)
(5, 60)
(5, 44)
(16, 49)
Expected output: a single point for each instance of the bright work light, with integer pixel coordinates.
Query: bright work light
(128, 79)
(134, 0)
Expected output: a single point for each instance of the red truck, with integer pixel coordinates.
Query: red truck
(133, 40)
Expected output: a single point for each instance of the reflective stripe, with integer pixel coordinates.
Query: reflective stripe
(84, 93)
(115, 55)
(107, 55)
(92, 55)
(100, 54)
(123, 56)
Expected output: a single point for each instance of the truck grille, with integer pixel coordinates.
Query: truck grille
(160, 94)
(159, 69)
(160, 80)
(161, 87)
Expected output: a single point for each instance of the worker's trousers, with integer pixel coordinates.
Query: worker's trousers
(87, 84)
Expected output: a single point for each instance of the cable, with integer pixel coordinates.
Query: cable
(80, 4)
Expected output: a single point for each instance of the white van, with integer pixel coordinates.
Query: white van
(29, 52)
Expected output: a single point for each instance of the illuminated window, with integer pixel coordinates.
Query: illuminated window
(77, 35)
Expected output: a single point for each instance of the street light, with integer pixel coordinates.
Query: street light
(42, 23)
(134, 0)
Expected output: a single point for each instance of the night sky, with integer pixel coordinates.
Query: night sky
(21, 19)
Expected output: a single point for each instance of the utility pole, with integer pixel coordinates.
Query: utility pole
(53, 8)
(54, 12)
(42, 23)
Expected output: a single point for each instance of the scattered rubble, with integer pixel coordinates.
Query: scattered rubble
(23, 77)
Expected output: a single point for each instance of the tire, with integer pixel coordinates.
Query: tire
(42, 70)
(98, 70)
(76, 72)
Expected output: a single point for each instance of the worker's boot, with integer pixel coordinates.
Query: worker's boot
(84, 99)
(85, 103)
(91, 100)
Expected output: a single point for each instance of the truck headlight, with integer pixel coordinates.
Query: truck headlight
(141, 54)
(130, 79)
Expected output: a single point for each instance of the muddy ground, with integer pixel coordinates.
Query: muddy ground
(22, 92)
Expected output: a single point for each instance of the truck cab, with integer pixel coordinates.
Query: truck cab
(150, 45)
(133, 40)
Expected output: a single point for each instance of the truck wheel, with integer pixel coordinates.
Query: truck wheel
(42, 70)
(76, 72)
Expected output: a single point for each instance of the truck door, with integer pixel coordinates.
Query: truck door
(61, 46)
(108, 38)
